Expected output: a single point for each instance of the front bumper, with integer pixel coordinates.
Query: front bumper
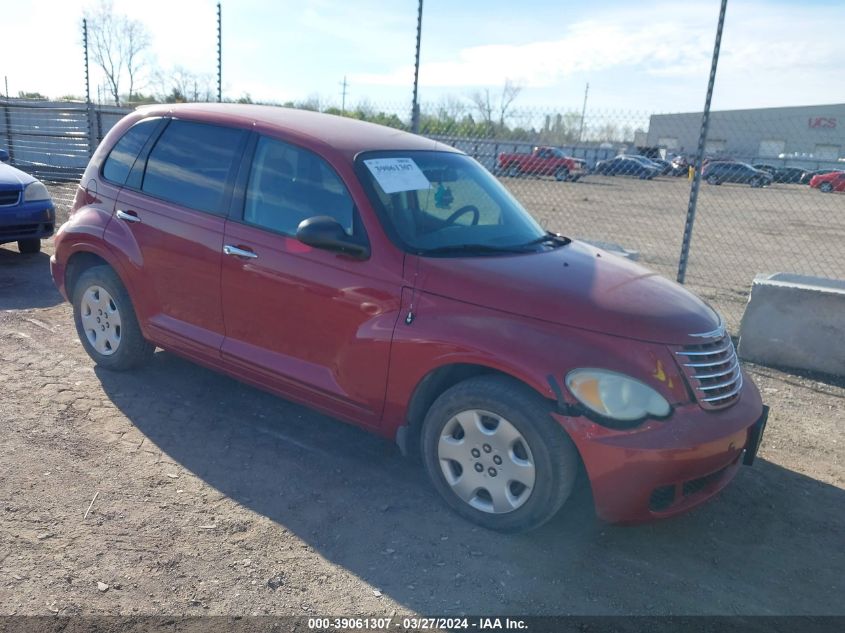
(29, 220)
(665, 468)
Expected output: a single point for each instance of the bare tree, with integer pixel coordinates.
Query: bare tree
(484, 102)
(510, 91)
(117, 45)
(180, 85)
(481, 101)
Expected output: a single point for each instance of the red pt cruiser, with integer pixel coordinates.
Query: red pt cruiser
(392, 282)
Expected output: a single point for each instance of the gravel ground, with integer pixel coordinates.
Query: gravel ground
(210, 497)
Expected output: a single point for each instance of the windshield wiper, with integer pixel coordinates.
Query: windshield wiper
(548, 238)
(472, 249)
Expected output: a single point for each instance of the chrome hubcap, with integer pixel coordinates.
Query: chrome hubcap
(486, 461)
(100, 320)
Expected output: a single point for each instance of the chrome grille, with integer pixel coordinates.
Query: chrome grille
(713, 371)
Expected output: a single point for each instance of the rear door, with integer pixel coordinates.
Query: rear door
(171, 217)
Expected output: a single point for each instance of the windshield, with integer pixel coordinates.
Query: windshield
(445, 203)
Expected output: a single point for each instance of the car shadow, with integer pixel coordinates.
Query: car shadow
(360, 505)
(25, 281)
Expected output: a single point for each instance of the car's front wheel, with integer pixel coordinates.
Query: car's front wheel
(562, 174)
(712, 180)
(496, 456)
(30, 246)
(106, 322)
(826, 187)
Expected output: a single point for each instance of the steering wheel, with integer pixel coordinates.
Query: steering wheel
(467, 208)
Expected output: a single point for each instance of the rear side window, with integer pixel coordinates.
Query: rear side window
(191, 165)
(288, 184)
(122, 156)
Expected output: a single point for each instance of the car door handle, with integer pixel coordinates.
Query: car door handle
(228, 249)
(127, 216)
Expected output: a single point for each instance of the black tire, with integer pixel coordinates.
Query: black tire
(562, 174)
(513, 171)
(29, 246)
(554, 455)
(756, 183)
(133, 349)
(826, 187)
(712, 180)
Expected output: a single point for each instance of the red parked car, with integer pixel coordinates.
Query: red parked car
(542, 161)
(833, 181)
(392, 282)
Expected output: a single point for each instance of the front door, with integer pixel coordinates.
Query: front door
(313, 325)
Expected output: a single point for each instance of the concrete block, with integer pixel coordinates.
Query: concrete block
(795, 321)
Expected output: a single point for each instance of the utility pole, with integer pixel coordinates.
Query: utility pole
(699, 155)
(415, 108)
(219, 54)
(343, 96)
(583, 112)
(6, 77)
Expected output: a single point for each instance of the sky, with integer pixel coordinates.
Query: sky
(636, 56)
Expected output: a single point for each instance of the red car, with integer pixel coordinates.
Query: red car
(392, 282)
(542, 161)
(833, 181)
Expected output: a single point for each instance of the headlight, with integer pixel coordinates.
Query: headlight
(615, 396)
(35, 191)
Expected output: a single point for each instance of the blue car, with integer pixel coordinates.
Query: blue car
(27, 213)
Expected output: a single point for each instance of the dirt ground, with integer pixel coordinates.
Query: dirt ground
(215, 498)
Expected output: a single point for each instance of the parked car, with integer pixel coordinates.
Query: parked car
(680, 165)
(393, 282)
(788, 175)
(542, 161)
(626, 166)
(807, 176)
(27, 213)
(665, 166)
(834, 181)
(717, 172)
(766, 167)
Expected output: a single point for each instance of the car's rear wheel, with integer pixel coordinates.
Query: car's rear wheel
(513, 171)
(826, 187)
(106, 322)
(712, 180)
(29, 246)
(496, 456)
(562, 174)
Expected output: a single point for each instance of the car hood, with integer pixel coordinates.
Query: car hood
(578, 286)
(9, 176)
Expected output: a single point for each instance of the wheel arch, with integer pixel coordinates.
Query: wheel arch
(433, 384)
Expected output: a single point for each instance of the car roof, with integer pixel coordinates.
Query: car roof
(343, 134)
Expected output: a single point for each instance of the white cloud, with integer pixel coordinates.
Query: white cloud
(670, 42)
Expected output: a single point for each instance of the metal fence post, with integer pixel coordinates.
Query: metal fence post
(8, 116)
(699, 155)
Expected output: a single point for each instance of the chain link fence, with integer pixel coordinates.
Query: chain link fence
(614, 179)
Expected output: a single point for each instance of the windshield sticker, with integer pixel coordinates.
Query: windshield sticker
(397, 174)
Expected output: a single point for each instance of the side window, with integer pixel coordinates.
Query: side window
(191, 164)
(288, 184)
(125, 151)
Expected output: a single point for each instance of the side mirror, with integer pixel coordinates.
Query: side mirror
(4, 156)
(325, 232)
